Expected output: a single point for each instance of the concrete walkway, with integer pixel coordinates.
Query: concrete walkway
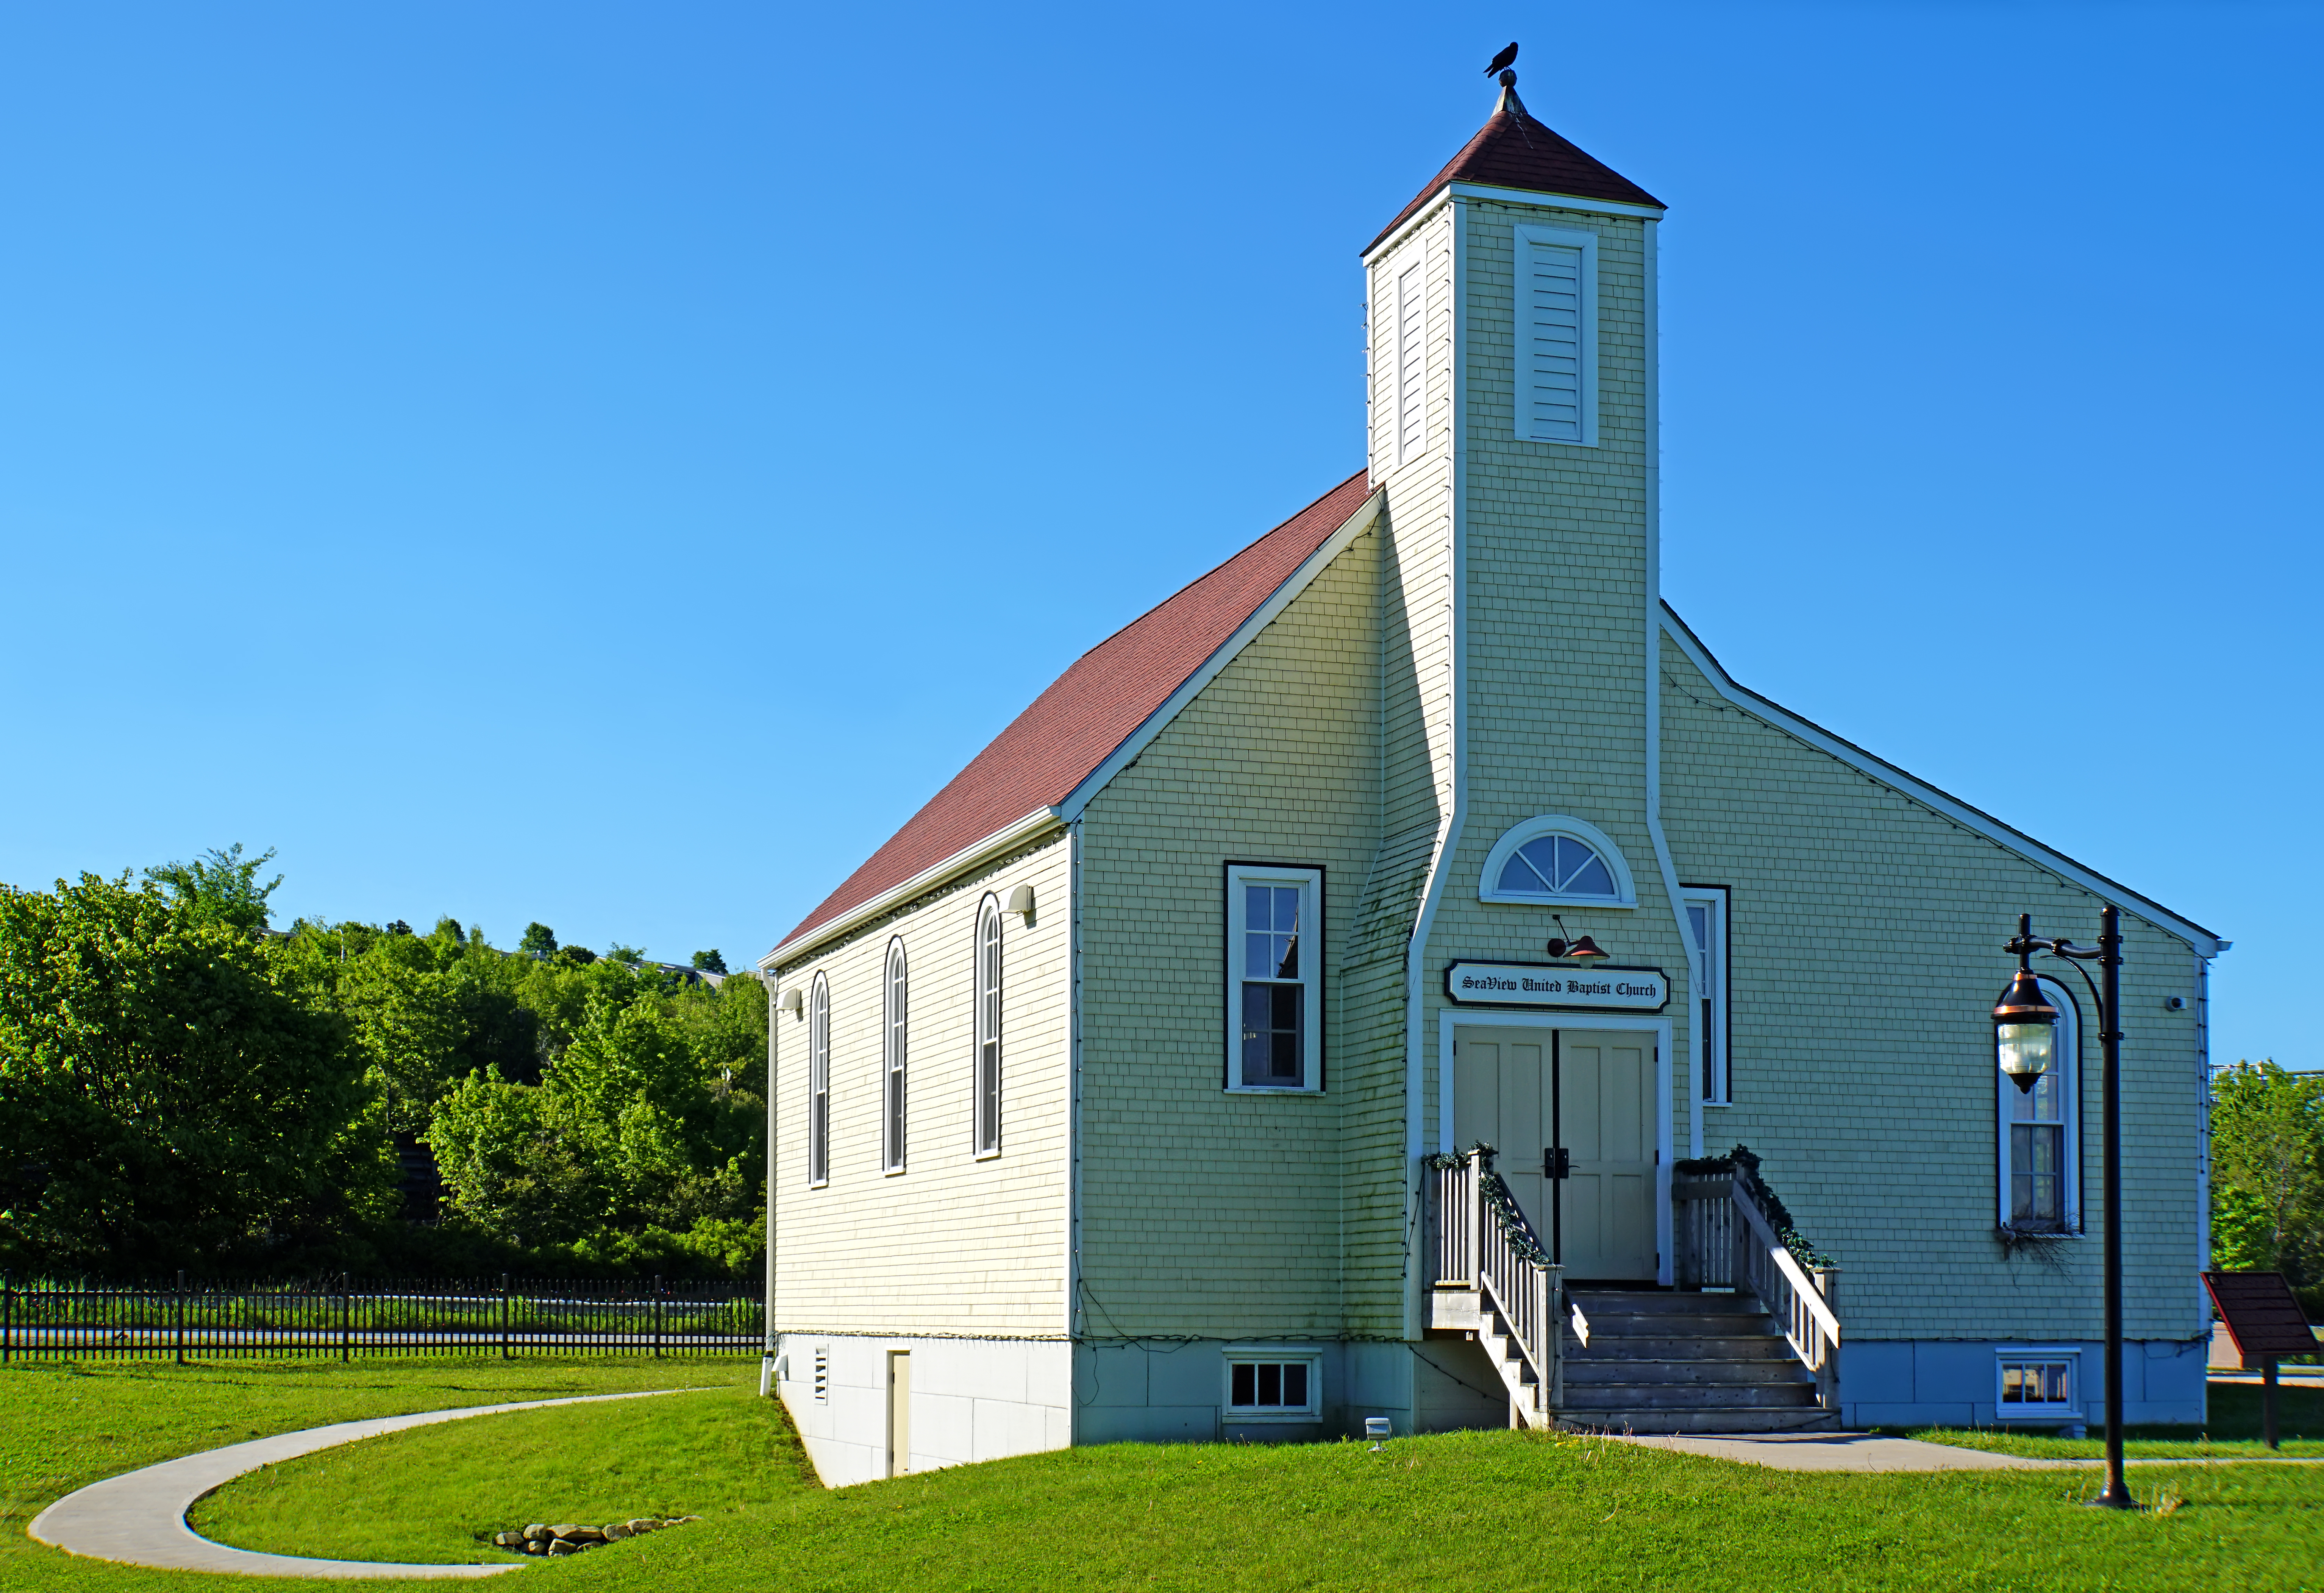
(1874, 1452)
(1836, 1451)
(138, 1518)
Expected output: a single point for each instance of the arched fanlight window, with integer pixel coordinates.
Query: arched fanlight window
(1557, 861)
(988, 1027)
(819, 1082)
(892, 1029)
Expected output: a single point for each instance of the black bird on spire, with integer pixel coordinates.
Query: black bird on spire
(1507, 58)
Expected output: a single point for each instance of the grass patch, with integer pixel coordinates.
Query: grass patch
(1499, 1509)
(2232, 1432)
(69, 1424)
(435, 1495)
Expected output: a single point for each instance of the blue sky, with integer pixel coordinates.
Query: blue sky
(610, 465)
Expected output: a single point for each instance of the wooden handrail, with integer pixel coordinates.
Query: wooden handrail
(1779, 1252)
(1483, 1242)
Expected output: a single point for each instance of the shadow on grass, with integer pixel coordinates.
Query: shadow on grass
(2232, 1430)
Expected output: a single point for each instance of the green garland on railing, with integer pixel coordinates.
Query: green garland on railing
(1497, 1195)
(1779, 1219)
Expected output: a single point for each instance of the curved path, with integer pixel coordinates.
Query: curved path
(138, 1518)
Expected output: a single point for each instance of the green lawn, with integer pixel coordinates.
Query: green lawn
(2233, 1429)
(1493, 1510)
(63, 1426)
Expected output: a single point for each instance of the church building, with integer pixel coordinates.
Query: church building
(1134, 1089)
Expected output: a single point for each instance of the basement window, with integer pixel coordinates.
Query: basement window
(2037, 1383)
(1273, 1385)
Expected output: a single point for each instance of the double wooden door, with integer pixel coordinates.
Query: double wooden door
(1532, 1093)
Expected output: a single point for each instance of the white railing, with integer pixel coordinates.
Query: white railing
(1483, 1242)
(1724, 1240)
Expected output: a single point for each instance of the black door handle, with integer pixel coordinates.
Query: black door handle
(1556, 1161)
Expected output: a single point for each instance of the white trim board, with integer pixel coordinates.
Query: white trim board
(1069, 810)
(928, 878)
(1296, 582)
(1449, 1018)
(1506, 196)
(2205, 944)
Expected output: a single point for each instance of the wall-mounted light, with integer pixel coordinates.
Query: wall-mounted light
(795, 1002)
(1020, 903)
(1582, 948)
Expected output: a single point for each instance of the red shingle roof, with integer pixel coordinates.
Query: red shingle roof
(1515, 151)
(1092, 708)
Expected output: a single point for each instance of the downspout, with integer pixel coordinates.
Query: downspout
(1448, 835)
(1682, 1074)
(1073, 1102)
(772, 982)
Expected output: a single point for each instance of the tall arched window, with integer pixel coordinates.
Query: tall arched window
(988, 1027)
(819, 1082)
(891, 1118)
(2040, 1134)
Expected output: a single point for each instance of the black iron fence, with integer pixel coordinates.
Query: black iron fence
(206, 1319)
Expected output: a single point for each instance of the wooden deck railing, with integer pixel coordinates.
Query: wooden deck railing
(1483, 1242)
(1726, 1240)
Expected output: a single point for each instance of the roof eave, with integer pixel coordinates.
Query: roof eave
(1465, 189)
(2205, 943)
(1011, 835)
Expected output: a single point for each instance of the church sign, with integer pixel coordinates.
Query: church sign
(1541, 984)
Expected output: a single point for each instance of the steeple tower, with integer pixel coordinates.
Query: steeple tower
(1513, 426)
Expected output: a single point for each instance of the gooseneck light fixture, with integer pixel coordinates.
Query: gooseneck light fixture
(2024, 1037)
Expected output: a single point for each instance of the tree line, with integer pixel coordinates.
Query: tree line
(2267, 1175)
(183, 1085)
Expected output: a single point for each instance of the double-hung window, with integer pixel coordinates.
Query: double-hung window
(819, 1082)
(988, 1027)
(893, 1030)
(2040, 1134)
(1275, 977)
(1706, 928)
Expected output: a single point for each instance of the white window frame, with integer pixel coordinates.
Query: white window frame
(1555, 237)
(2065, 1061)
(819, 1083)
(1311, 972)
(1713, 1026)
(2071, 1409)
(895, 986)
(1557, 823)
(1311, 1356)
(986, 970)
(1409, 306)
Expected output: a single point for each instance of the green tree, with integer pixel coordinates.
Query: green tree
(2267, 1172)
(220, 887)
(165, 1098)
(710, 961)
(540, 940)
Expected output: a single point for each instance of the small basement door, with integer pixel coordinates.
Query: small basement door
(1532, 1094)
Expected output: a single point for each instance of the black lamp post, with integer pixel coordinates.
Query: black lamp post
(2024, 1030)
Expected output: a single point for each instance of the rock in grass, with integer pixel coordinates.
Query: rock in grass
(643, 1523)
(536, 1530)
(588, 1535)
(563, 1529)
(563, 1546)
(509, 1540)
(614, 1532)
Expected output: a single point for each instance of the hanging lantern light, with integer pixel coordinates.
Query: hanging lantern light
(2025, 1028)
